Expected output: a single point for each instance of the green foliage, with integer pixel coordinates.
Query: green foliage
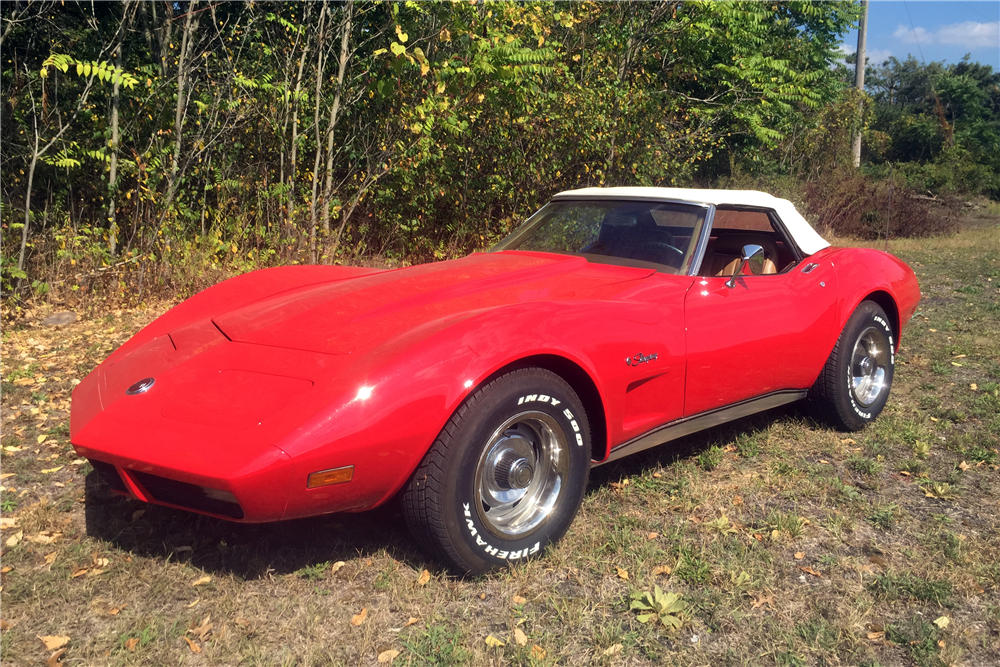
(655, 605)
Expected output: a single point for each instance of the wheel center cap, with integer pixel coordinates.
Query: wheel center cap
(514, 472)
(866, 366)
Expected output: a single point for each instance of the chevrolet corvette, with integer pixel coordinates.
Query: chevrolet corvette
(481, 391)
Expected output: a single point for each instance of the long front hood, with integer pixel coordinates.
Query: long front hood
(357, 315)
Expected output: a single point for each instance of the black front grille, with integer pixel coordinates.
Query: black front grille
(186, 495)
(109, 474)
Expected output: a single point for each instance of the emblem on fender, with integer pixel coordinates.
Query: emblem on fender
(140, 387)
(640, 358)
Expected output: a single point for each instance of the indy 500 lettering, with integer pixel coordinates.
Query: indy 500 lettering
(542, 398)
(492, 550)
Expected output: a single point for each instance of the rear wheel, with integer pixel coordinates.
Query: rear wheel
(506, 475)
(854, 385)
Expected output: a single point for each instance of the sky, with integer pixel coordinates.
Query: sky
(931, 30)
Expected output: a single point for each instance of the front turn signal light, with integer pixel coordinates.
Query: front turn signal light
(328, 477)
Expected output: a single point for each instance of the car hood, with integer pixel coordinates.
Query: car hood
(359, 314)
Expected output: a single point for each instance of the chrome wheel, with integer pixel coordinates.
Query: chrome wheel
(521, 473)
(869, 364)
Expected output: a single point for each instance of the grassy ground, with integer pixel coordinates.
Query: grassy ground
(791, 544)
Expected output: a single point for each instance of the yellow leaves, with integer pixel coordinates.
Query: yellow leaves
(360, 617)
(661, 570)
(337, 566)
(52, 470)
(493, 642)
(194, 647)
(517, 599)
(201, 581)
(622, 573)
(614, 649)
(942, 622)
(963, 466)
(202, 630)
(652, 536)
(53, 642)
(402, 35)
(13, 540)
(538, 653)
(799, 555)
(411, 621)
(41, 439)
(520, 638)
(425, 576)
(50, 558)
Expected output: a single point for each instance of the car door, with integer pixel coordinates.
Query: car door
(766, 333)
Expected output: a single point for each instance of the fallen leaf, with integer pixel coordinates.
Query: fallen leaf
(41, 439)
(194, 647)
(904, 473)
(729, 448)
(360, 617)
(963, 466)
(5, 569)
(762, 600)
(622, 573)
(848, 441)
(493, 642)
(823, 461)
(809, 570)
(694, 519)
(44, 537)
(933, 330)
(612, 650)
(425, 576)
(973, 386)
(102, 562)
(955, 363)
(517, 599)
(960, 356)
(942, 622)
(203, 630)
(941, 643)
(48, 470)
(738, 500)
(411, 621)
(482, 596)
(4, 624)
(657, 475)
(202, 580)
(652, 536)
(114, 611)
(197, 600)
(53, 642)
(13, 450)
(78, 572)
(336, 566)
(242, 622)
(54, 659)
(876, 636)
(537, 652)
(50, 558)
(132, 643)
(8, 522)
(387, 656)
(520, 637)
(799, 555)
(878, 560)
(136, 514)
(661, 569)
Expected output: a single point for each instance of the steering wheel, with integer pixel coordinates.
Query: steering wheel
(658, 253)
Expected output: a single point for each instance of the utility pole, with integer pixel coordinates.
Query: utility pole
(859, 76)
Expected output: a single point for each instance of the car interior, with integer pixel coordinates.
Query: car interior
(734, 228)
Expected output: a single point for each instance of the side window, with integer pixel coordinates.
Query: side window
(733, 228)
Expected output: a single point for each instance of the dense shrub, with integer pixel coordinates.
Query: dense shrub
(852, 204)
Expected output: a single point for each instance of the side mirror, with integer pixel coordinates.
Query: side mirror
(753, 256)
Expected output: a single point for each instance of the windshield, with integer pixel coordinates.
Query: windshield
(631, 233)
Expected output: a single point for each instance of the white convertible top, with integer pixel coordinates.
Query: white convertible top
(802, 233)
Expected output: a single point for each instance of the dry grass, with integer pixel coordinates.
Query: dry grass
(793, 544)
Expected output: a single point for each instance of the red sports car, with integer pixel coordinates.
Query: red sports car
(483, 389)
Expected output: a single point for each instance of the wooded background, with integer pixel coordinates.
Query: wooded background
(207, 134)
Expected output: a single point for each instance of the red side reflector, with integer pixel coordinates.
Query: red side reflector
(328, 477)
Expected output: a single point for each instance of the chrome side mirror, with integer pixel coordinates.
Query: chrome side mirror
(753, 256)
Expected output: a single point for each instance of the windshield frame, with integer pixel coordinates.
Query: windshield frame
(695, 258)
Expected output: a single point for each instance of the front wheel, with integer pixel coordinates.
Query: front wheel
(854, 385)
(506, 475)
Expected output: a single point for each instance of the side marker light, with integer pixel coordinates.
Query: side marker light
(328, 477)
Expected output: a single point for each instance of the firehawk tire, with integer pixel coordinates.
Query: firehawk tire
(854, 385)
(506, 475)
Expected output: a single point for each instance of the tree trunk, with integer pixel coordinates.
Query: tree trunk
(293, 161)
(180, 108)
(319, 146)
(113, 176)
(345, 36)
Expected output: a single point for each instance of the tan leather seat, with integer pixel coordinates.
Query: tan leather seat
(725, 253)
